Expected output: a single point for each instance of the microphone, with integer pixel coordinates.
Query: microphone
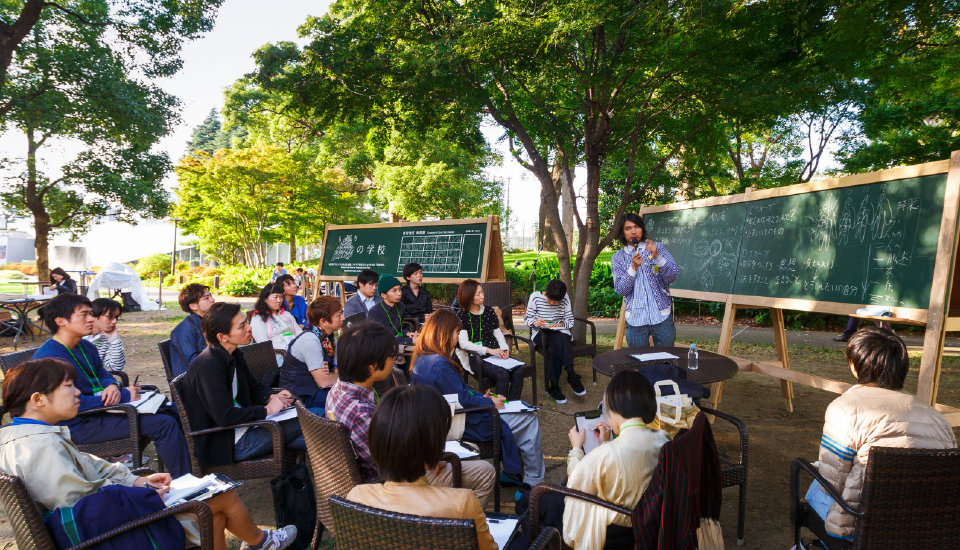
(634, 242)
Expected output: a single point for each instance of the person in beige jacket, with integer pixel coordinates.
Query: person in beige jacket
(874, 413)
(618, 471)
(407, 436)
(40, 393)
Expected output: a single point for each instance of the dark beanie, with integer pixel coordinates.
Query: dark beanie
(386, 283)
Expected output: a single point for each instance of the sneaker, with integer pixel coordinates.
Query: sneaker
(840, 338)
(577, 386)
(275, 539)
(554, 392)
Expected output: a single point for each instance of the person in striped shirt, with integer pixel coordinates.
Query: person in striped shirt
(105, 336)
(550, 319)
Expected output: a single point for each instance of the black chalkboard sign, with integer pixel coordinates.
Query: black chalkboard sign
(451, 250)
(862, 244)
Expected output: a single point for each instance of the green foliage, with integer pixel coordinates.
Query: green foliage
(244, 281)
(210, 136)
(12, 275)
(149, 266)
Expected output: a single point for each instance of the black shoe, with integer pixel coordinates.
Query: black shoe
(554, 392)
(840, 338)
(577, 386)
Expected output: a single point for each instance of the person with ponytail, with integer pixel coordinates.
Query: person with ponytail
(520, 445)
(36, 447)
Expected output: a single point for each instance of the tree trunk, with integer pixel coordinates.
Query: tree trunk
(293, 248)
(569, 205)
(34, 202)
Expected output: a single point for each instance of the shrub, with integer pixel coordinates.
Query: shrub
(210, 272)
(12, 275)
(244, 281)
(26, 269)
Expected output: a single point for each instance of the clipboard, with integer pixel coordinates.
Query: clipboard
(587, 421)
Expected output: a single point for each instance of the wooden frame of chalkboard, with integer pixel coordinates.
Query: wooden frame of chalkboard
(929, 208)
(385, 246)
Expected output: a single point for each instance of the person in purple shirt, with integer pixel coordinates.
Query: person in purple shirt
(186, 340)
(642, 273)
(69, 318)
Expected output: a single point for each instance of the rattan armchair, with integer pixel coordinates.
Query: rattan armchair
(31, 533)
(366, 528)
(271, 465)
(261, 359)
(355, 318)
(396, 378)
(910, 501)
(543, 488)
(10, 360)
(734, 474)
(164, 346)
(580, 349)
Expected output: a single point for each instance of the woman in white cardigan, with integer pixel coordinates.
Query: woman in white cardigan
(270, 322)
(618, 471)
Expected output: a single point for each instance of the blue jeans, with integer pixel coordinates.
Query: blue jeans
(258, 441)
(664, 334)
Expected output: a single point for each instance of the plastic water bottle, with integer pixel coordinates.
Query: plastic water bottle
(692, 360)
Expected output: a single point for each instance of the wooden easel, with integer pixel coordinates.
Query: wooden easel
(941, 315)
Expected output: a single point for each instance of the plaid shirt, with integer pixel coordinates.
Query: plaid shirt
(352, 406)
(646, 292)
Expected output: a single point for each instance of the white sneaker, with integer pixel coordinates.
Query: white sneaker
(276, 539)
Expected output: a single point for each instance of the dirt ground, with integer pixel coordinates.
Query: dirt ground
(776, 436)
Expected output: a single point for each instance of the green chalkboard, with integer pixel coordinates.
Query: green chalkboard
(454, 251)
(865, 244)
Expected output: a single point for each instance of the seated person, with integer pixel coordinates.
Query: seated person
(481, 334)
(873, 413)
(617, 471)
(407, 435)
(367, 352)
(186, 340)
(293, 302)
(415, 298)
(390, 312)
(366, 296)
(220, 391)
(270, 322)
(105, 337)
(519, 432)
(69, 320)
(310, 368)
(62, 283)
(41, 397)
(551, 308)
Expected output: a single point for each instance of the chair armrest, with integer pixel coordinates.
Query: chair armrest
(800, 464)
(269, 424)
(593, 329)
(454, 461)
(549, 539)
(122, 376)
(741, 428)
(413, 322)
(203, 512)
(543, 488)
(149, 387)
(494, 421)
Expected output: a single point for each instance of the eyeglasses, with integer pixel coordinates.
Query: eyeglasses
(112, 318)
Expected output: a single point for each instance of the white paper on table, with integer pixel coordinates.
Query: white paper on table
(587, 425)
(516, 406)
(658, 356)
(501, 530)
(456, 448)
(509, 363)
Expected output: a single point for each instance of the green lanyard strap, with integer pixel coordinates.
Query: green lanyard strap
(389, 320)
(92, 377)
(471, 316)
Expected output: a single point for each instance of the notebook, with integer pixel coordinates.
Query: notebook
(189, 487)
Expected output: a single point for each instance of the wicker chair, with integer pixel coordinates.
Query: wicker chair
(910, 500)
(31, 533)
(261, 358)
(164, 346)
(735, 473)
(134, 445)
(397, 378)
(334, 465)
(270, 465)
(365, 528)
(355, 318)
(580, 349)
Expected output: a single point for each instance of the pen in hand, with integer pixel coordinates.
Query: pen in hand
(136, 380)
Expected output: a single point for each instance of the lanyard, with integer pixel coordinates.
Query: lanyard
(92, 377)
(389, 320)
(472, 339)
(278, 320)
(640, 425)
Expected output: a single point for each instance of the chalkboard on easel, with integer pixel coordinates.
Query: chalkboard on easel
(449, 250)
(864, 244)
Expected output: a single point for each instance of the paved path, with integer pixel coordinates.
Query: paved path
(763, 335)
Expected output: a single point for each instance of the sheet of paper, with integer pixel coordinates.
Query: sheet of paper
(149, 403)
(456, 448)
(186, 485)
(285, 414)
(659, 356)
(516, 406)
(588, 425)
(501, 530)
(509, 363)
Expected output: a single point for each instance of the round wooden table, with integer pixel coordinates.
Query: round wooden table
(713, 367)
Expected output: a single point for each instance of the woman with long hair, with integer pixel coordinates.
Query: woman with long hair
(38, 395)
(61, 282)
(272, 323)
(481, 334)
(433, 365)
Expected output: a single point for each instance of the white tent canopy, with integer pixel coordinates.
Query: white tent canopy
(113, 276)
